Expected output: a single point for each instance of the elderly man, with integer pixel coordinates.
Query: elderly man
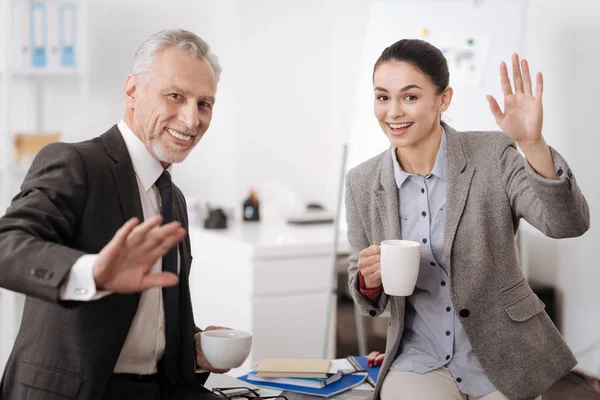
(97, 241)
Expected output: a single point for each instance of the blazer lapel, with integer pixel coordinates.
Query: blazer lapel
(459, 182)
(388, 202)
(123, 174)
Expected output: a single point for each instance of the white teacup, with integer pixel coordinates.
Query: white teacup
(226, 348)
(399, 266)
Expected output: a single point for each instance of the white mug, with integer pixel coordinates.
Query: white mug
(226, 348)
(399, 266)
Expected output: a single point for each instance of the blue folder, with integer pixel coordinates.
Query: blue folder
(360, 362)
(344, 383)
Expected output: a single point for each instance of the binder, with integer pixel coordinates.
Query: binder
(347, 382)
(68, 32)
(39, 31)
(53, 45)
(22, 30)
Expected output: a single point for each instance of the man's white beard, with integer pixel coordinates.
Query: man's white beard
(164, 155)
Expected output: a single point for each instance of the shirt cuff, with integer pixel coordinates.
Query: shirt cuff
(363, 287)
(80, 284)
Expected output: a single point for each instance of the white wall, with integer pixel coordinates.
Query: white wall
(286, 104)
(283, 104)
(498, 21)
(296, 65)
(561, 40)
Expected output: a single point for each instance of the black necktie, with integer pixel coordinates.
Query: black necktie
(170, 294)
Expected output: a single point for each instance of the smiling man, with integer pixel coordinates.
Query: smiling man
(97, 241)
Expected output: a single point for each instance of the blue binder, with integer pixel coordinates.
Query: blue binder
(68, 26)
(344, 383)
(360, 362)
(39, 34)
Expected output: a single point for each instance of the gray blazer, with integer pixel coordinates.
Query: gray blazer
(490, 188)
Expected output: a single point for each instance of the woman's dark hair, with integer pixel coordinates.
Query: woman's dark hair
(422, 55)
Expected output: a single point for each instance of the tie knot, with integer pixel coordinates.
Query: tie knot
(164, 180)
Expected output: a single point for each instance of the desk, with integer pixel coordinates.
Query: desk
(269, 279)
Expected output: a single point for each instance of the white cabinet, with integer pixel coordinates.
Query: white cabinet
(270, 279)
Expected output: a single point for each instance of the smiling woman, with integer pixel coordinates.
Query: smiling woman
(472, 327)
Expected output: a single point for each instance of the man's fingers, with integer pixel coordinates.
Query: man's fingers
(202, 363)
(165, 243)
(161, 279)
(138, 234)
(217, 370)
(215, 328)
(124, 231)
(156, 236)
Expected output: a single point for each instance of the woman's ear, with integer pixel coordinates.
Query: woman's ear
(130, 91)
(446, 98)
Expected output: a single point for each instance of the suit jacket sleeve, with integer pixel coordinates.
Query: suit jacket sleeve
(557, 208)
(41, 223)
(358, 239)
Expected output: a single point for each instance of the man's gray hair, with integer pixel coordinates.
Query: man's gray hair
(179, 38)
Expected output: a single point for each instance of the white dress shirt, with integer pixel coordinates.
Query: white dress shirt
(145, 342)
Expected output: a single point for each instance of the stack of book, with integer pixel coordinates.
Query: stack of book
(308, 376)
(299, 372)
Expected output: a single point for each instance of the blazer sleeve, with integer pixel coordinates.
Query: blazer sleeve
(358, 239)
(41, 223)
(556, 208)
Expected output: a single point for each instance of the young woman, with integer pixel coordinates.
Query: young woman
(473, 328)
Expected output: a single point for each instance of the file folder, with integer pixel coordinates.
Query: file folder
(22, 31)
(53, 45)
(68, 23)
(346, 382)
(38, 34)
(360, 363)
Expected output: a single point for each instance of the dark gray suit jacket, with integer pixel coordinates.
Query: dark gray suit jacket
(490, 188)
(73, 200)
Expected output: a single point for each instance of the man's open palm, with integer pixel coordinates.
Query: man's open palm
(124, 265)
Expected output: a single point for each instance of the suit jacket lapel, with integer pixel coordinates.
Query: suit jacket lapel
(459, 182)
(123, 174)
(388, 202)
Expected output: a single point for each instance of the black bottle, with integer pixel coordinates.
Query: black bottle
(250, 207)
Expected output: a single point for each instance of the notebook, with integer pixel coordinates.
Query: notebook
(306, 382)
(346, 382)
(360, 362)
(292, 368)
